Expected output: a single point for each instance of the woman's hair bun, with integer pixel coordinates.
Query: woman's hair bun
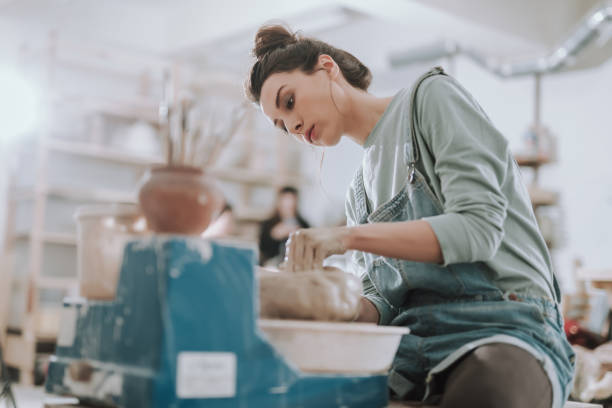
(278, 49)
(272, 37)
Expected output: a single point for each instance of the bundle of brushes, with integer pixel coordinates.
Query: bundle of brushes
(195, 133)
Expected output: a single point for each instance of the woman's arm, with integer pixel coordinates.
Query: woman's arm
(410, 240)
(471, 161)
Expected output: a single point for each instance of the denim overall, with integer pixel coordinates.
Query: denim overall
(453, 309)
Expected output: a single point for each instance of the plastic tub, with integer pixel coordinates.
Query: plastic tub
(102, 232)
(330, 347)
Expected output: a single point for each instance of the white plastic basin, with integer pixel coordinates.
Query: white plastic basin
(331, 347)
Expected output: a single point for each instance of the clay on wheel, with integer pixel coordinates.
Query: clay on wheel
(328, 294)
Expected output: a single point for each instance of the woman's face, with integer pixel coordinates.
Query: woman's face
(302, 105)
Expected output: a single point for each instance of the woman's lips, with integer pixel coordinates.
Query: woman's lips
(311, 135)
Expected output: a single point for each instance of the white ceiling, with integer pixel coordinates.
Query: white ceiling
(542, 21)
(219, 33)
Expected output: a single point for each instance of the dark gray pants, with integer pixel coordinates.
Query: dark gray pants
(494, 375)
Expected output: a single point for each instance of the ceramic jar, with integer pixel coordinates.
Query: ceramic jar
(102, 233)
(178, 200)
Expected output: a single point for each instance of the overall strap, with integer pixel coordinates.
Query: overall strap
(415, 148)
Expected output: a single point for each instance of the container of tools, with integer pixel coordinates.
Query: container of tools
(102, 233)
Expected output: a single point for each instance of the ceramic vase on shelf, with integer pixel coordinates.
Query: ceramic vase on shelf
(178, 200)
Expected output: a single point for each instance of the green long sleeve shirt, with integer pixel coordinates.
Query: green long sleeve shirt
(467, 162)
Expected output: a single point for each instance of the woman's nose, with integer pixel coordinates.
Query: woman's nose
(297, 127)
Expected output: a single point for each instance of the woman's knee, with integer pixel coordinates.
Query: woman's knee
(498, 375)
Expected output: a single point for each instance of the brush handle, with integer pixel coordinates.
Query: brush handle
(181, 133)
(164, 114)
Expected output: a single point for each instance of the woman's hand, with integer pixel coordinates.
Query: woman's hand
(307, 248)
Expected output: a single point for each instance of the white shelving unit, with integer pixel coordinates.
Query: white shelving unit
(41, 261)
(52, 195)
(541, 197)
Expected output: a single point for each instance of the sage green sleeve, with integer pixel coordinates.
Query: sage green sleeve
(471, 161)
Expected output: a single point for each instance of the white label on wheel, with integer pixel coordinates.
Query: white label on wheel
(67, 330)
(206, 375)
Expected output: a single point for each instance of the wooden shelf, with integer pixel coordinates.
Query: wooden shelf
(77, 193)
(238, 175)
(601, 275)
(103, 153)
(540, 197)
(234, 174)
(100, 59)
(256, 177)
(52, 282)
(19, 350)
(133, 108)
(532, 161)
(51, 238)
(47, 322)
(251, 214)
(93, 194)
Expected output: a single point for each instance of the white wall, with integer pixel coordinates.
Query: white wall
(578, 107)
(8, 54)
(3, 192)
(322, 203)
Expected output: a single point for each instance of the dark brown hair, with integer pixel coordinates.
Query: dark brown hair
(278, 50)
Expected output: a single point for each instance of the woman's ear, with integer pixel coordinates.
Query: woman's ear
(328, 64)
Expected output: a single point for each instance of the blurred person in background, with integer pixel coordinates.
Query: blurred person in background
(275, 230)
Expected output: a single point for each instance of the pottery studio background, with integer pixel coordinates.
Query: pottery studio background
(81, 83)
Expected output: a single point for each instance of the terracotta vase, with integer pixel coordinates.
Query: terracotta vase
(178, 200)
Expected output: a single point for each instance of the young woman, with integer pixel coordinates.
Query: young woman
(441, 223)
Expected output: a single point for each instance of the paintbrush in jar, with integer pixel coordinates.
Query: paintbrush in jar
(186, 106)
(164, 117)
(223, 137)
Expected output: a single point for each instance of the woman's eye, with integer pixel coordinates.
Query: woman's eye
(290, 102)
